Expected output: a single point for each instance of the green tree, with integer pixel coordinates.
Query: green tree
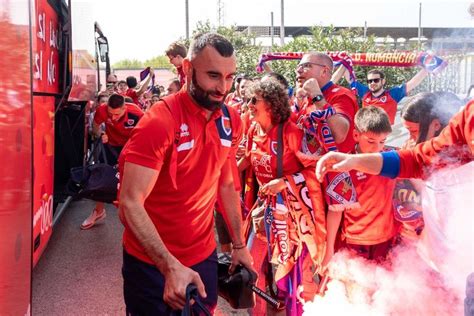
(246, 50)
(351, 40)
(158, 62)
(128, 64)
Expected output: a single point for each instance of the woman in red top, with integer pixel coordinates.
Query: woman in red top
(424, 116)
(296, 197)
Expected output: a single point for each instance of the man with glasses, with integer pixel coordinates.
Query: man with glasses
(313, 75)
(375, 94)
(179, 159)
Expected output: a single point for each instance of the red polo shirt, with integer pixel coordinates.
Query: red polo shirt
(374, 222)
(132, 93)
(118, 131)
(183, 216)
(345, 104)
(262, 151)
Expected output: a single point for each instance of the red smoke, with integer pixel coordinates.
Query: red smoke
(426, 278)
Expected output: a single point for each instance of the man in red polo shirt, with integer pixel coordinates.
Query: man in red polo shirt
(119, 118)
(314, 77)
(179, 158)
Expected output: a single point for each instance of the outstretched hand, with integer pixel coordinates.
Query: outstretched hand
(333, 162)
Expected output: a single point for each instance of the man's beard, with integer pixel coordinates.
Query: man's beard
(201, 96)
(376, 91)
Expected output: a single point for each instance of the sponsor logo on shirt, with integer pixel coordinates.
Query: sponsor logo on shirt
(264, 162)
(254, 147)
(184, 130)
(361, 175)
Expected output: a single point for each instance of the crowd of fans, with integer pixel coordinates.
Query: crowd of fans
(285, 129)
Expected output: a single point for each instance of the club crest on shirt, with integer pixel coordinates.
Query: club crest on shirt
(226, 125)
(341, 189)
(383, 99)
(274, 147)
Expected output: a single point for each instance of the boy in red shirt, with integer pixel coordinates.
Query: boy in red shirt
(369, 230)
(176, 53)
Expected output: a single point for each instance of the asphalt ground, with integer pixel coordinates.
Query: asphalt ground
(80, 271)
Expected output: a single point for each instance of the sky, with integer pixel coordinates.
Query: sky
(141, 29)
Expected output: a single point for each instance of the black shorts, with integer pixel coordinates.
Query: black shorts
(143, 286)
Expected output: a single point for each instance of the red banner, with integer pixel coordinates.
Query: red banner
(426, 60)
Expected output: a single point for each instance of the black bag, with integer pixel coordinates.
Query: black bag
(238, 288)
(96, 180)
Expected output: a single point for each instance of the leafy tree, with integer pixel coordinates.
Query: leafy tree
(246, 50)
(350, 40)
(128, 64)
(158, 62)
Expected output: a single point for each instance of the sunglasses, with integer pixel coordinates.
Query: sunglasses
(376, 80)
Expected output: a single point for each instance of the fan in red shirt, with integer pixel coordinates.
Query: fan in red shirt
(314, 77)
(455, 141)
(270, 111)
(176, 53)
(369, 230)
(135, 94)
(179, 158)
(119, 118)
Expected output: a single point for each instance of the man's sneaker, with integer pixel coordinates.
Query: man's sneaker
(93, 218)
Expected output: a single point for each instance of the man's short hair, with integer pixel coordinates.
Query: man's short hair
(377, 72)
(101, 95)
(324, 59)
(372, 119)
(116, 101)
(112, 78)
(121, 81)
(177, 83)
(176, 49)
(132, 82)
(218, 42)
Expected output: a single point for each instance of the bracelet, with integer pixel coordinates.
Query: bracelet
(237, 247)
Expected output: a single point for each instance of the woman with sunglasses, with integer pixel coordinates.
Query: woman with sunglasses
(295, 198)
